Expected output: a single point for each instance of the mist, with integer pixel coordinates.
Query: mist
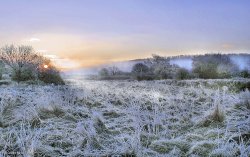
(242, 61)
(183, 63)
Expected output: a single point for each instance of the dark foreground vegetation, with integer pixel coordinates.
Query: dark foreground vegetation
(22, 63)
(209, 66)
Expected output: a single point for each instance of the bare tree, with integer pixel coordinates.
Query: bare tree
(19, 58)
(114, 70)
(140, 68)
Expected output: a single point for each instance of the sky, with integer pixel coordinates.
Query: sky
(85, 33)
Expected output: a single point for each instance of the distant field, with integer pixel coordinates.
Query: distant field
(126, 118)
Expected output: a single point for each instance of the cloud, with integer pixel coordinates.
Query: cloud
(63, 63)
(52, 56)
(34, 40)
(42, 51)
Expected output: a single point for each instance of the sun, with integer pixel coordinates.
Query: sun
(45, 66)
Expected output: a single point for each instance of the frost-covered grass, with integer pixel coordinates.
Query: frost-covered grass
(125, 118)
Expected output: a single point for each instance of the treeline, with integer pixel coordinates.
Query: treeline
(22, 63)
(209, 66)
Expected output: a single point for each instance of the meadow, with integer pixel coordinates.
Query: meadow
(126, 118)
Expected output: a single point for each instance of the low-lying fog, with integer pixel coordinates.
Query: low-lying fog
(242, 61)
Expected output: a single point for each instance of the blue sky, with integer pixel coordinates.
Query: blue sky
(89, 32)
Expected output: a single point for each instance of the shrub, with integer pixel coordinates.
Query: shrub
(141, 72)
(242, 86)
(245, 100)
(227, 70)
(144, 77)
(182, 74)
(113, 70)
(51, 112)
(140, 68)
(23, 75)
(104, 72)
(116, 77)
(5, 82)
(212, 66)
(245, 73)
(206, 70)
(217, 116)
(51, 76)
(162, 72)
(112, 73)
(160, 67)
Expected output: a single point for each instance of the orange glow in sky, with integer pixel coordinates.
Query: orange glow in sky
(87, 33)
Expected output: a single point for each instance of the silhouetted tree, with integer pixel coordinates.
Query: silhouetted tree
(140, 68)
(113, 70)
(160, 67)
(141, 72)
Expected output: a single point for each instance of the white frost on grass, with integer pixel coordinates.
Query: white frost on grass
(115, 118)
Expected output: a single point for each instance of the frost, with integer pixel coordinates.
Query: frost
(125, 118)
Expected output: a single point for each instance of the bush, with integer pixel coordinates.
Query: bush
(227, 70)
(51, 76)
(115, 77)
(144, 77)
(50, 112)
(23, 75)
(5, 82)
(206, 70)
(217, 116)
(141, 71)
(245, 73)
(140, 68)
(242, 86)
(182, 74)
(212, 66)
(104, 72)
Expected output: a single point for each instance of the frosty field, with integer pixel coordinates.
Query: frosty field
(126, 118)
